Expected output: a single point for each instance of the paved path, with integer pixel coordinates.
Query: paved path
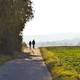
(25, 67)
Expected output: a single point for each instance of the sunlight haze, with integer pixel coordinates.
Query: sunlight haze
(54, 16)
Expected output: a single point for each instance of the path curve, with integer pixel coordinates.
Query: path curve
(28, 66)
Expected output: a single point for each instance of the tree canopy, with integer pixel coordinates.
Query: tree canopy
(13, 16)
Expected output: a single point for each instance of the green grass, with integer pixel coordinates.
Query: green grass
(5, 58)
(59, 68)
(69, 55)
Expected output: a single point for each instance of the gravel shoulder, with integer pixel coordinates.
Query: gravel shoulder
(27, 66)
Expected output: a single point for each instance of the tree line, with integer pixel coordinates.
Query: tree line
(13, 16)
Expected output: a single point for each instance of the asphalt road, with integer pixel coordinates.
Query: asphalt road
(25, 67)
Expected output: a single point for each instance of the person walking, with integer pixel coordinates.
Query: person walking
(30, 44)
(33, 43)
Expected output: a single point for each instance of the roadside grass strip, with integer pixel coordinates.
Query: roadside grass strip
(4, 58)
(58, 68)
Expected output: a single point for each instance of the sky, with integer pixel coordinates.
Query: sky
(54, 17)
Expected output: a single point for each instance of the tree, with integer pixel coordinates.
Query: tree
(13, 16)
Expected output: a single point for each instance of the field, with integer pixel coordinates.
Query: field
(64, 61)
(69, 55)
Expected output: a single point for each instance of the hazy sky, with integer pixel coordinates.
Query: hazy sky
(54, 16)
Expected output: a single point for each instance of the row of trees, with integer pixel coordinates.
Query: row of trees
(13, 16)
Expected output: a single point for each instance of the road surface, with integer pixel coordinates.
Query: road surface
(27, 66)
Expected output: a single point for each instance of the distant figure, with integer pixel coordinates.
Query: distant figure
(30, 44)
(33, 43)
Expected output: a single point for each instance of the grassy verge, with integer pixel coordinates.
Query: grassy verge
(59, 70)
(23, 49)
(4, 58)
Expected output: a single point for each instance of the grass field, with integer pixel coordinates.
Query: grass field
(63, 62)
(70, 55)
